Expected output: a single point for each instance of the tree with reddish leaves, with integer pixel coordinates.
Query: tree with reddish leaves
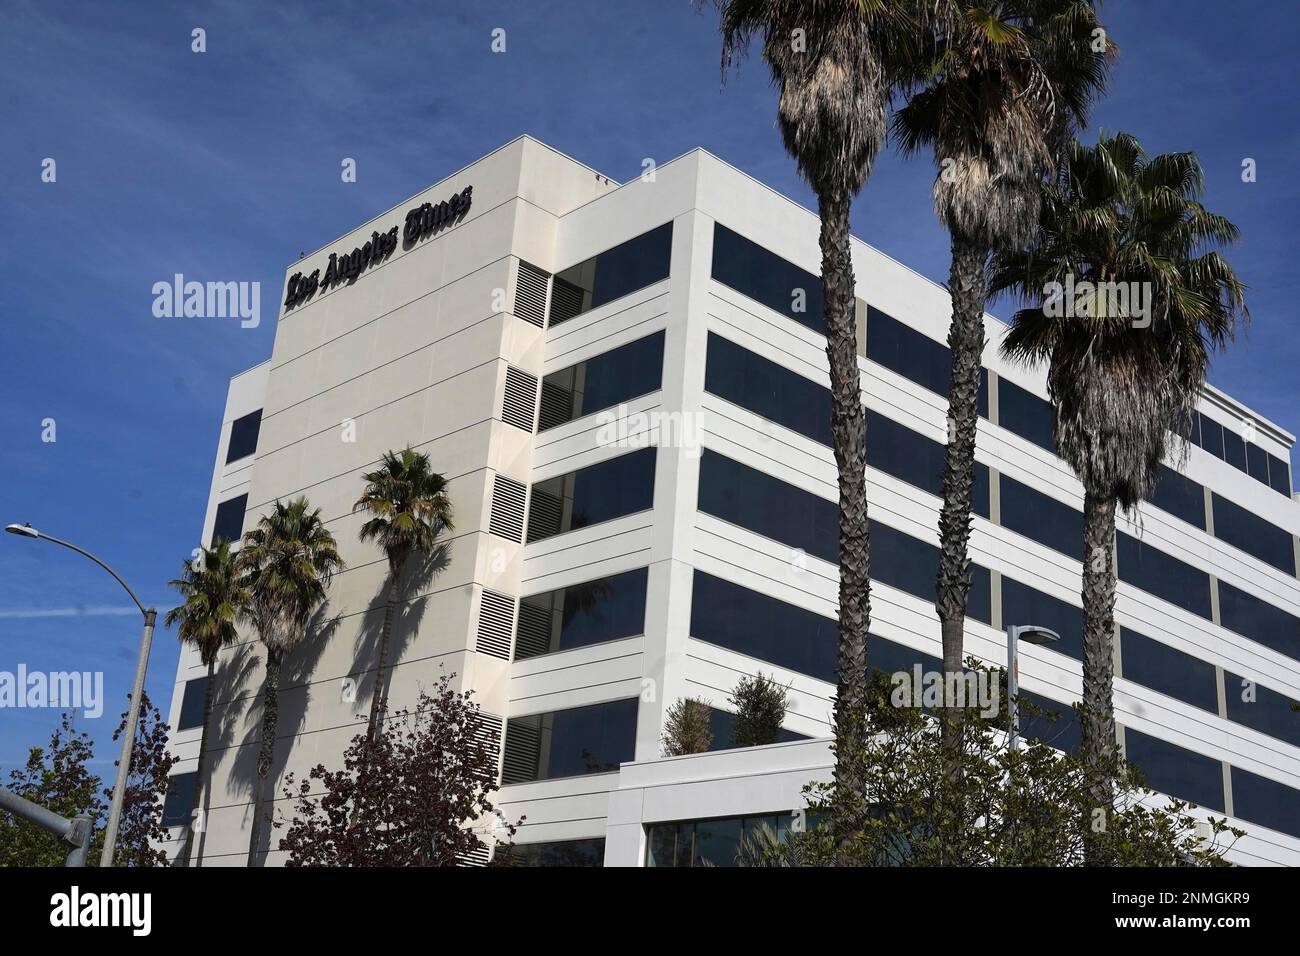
(141, 836)
(424, 800)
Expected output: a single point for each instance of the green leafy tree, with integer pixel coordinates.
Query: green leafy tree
(836, 65)
(409, 510)
(1006, 82)
(687, 728)
(760, 704)
(57, 777)
(1029, 806)
(1120, 381)
(429, 778)
(214, 597)
(289, 558)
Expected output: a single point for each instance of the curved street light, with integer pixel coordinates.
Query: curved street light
(137, 690)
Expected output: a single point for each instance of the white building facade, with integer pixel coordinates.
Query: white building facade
(626, 386)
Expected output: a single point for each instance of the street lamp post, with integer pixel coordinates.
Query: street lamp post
(1030, 634)
(137, 691)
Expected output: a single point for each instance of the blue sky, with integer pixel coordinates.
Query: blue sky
(224, 165)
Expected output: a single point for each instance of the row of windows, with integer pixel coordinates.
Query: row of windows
(612, 274)
(592, 612)
(708, 842)
(570, 743)
(767, 278)
(567, 853)
(809, 523)
(1224, 443)
(601, 492)
(603, 381)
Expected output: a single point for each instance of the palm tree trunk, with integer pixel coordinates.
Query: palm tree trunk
(203, 761)
(270, 718)
(379, 699)
(848, 425)
(966, 342)
(1098, 719)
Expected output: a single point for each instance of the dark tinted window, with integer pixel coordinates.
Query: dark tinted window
(562, 853)
(768, 506)
(902, 349)
(611, 489)
(1166, 577)
(1026, 414)
(1211, 435)
(722, 722)
(603, 381)
(569, 743)
(760, 626)
(1180, 496)
(613, 274)
(897, 450)
(1266, 802)
(1023, 605)
(799, 519)
(1057, 725)
(1234, 449)
(891, 658)
(1279, 475)
(912, 565)
(1252, 534)
(243, 436)
(1258, 620)
(229, 522)
(192, 704)
(179, 802)
(1253, 705)
(1168, 671)
(1175, 771)
(1041, 517)
(1257, 463)
(767, 278)
(707, 842)
(768, 389)
(592, 612)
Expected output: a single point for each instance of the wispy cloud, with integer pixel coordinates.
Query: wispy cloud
(33, 612)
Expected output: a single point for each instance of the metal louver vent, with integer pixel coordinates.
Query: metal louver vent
(507, 518)
(487, 731)
(496, 615)
(534, 630)
(547, 516)
(519, 406)
(566, 301)
(523, 752)
(556, 405)
(478, 856)
(530, 293)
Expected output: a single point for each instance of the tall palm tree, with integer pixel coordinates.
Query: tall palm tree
(214, 598)
(836, 65)
(409, 511)
(1007, 82)
(290, 558)
(1120, 380)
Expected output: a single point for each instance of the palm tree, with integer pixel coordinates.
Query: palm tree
(290, 559)
(836, 64)
(409, 511)
(214, 598)
(1121, 377)
(1007, 81)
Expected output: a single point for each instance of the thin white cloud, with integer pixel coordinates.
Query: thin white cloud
(103, 611)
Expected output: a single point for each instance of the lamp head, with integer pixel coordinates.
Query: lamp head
(26, 530)
(1033, 634)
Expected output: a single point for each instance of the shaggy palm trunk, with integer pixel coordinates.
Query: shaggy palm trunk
(966, 342)
(270, 718)
(203, 762)
(848, 426)
(1098, 729)
(379, 699)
